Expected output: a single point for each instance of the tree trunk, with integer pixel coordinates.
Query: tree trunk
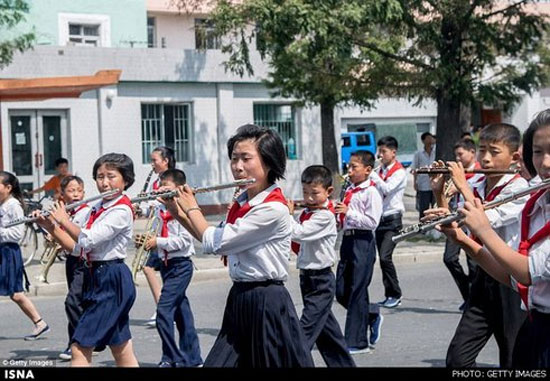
(453, 117)
(330, 153)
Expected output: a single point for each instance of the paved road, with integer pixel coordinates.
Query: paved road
(416, 334)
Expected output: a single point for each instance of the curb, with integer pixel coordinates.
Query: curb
(205, 275)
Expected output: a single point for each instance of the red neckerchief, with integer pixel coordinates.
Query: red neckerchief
(470, 175)
(526, 242)
(156, 184)
(166, 217)
(491, 196)
(397, 166)
(75, 211)
(237, 211)
(347, 199)
(304, 216)
(94, 215)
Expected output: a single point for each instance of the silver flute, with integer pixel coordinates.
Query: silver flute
(69, 207)
(174, 193)
(423, 227)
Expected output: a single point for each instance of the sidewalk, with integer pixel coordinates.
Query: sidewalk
(208, 267)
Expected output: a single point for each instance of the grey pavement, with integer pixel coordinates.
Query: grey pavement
(207, 267)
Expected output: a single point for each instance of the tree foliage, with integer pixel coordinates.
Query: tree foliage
(12, 12)
(331, 52)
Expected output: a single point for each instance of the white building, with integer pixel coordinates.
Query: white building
(170, 93)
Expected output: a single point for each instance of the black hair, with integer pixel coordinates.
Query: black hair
(167, 153)
(504, 133)
(176, 175)
(121, 163)
(467, 144)
(317, 174)
(67, 179)
(9, 178)
(541, 120)
(388, 141)
(270, 148)
(466, 134)
(425, 135)
(366, 157)
(60, 161)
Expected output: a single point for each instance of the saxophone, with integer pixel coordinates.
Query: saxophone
(51, 251)
(152, 228)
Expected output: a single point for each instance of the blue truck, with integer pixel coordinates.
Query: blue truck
(364, 140)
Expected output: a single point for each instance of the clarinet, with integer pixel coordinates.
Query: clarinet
(345, 186)
(147, 181)
(423, 227)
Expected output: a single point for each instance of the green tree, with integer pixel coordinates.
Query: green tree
(330, 52)
(12, 12)
(464, 52)
(308, 50)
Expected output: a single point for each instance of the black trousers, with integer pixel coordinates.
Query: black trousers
(493, 309)
(388, 227)
(532, 349)
(318, 322)
(353, 276)
(452, 262)
(74, 271)
(424, 200)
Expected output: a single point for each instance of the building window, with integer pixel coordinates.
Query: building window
(166, 125)
(151, 33)
(84, 29)
(281, 119)
(84, 35)
(205, 35)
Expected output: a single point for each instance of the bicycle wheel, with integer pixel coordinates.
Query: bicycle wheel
(29, 244)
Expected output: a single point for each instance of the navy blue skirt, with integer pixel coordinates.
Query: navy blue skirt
(109, 294)
(11, 269)
(260, 329)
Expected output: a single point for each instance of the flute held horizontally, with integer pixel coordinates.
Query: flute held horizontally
(69, 207)
(446, 171)
(173, 193)
(414, 230)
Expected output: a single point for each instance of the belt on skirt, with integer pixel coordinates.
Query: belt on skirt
(356, 232)
(326, 270)
(96, 264)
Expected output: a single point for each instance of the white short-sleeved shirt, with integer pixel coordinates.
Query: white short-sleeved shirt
(392, 190)
(79, 218)
(11, 210)
(505, 219)
(108, 238)
(539, 258)
(317, 238)
(423, 159)
(178, 244)
(365, 208)
(258, 244)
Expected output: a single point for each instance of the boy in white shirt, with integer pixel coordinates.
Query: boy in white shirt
(360, 213)
(314, 237)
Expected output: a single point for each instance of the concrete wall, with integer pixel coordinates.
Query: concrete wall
(127, 19)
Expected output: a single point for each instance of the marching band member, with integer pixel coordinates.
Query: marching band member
(11, 261)
(109, 289)
(260, 326)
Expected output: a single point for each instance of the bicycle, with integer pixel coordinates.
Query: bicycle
(29, 240)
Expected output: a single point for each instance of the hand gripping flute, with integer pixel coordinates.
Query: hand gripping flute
(414, 230)
(173, 193)
(69, 207)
